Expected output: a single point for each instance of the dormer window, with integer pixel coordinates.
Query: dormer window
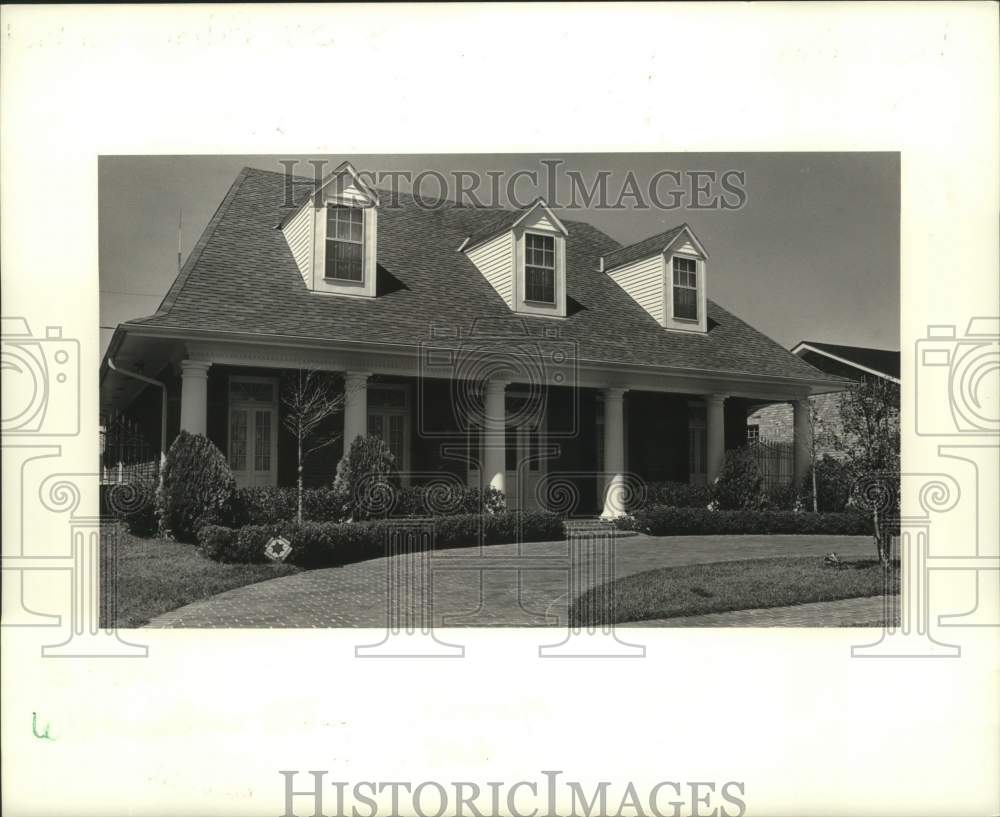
(685, 289)
(333, 236)
(523, 257)
(345, 233)
(540, 268)
(666, 275)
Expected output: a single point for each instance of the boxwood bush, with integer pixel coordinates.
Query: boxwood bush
(197, 487)
(658, 520)
(326, 544)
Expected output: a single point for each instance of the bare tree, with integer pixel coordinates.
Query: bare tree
(869, 437)
(310, 398)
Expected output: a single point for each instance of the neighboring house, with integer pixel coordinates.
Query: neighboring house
(512, 349)
(774, 423)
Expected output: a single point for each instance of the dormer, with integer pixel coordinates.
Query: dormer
(666, 276)
(333, 235)
(523, 256)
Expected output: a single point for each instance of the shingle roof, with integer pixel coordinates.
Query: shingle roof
(641, 249)
(242, 277)
(881, 360)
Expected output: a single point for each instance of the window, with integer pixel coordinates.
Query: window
(539, 268)
(388, 413)
(344, 242)
(753, 433)
(685, 289)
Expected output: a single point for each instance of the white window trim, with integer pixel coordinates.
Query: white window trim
(555, 268)
(366, 287)
(249, 404)
(327, 240)
(699, 324)
(523, 306)
(398, 411)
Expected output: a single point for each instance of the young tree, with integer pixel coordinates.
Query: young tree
(310, 398)
(869, 438)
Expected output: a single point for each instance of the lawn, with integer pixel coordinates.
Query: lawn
(718, 587)
(157, 575)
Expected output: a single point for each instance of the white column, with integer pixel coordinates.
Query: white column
(715, 435)
(194, 396)
(495, 435)
(802, 431)
(355, 407)
(614, 453)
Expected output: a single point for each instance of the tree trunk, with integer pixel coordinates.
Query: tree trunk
(815, 498)
(299, 514)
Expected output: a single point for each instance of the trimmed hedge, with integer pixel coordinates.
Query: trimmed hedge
(267, 506)
(663, 521)
(326, 544)
(677, 495)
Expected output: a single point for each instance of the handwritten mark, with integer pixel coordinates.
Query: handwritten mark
(34, 728)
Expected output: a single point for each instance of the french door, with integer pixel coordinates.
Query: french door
(253, 433)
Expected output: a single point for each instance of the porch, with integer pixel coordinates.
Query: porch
(534, 421)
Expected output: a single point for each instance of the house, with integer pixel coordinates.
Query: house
(774, 423)
(507, 348)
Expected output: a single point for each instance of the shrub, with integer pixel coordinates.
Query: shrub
(197, 487)
(739, 485)
(663, 521)
(677, 495)
(364, 475)
(326, 544)
(265, 506)
(783, 498)
(833, 486)
(216, 542)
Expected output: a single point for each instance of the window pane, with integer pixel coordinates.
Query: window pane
(343, 261)
(238, 440)
(539, 284)
(262, 441)
(396, 438)
(511, 456)
(685, 303)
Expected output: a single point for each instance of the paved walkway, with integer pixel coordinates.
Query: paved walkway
(501, 585)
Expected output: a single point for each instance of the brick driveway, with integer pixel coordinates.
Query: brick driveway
(481, 587)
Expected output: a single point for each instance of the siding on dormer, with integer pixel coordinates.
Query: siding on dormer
(495, 260)
(298, 234)
(643, 280)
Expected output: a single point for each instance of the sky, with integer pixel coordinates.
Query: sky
(812, 253)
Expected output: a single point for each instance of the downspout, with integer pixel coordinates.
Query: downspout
(163, 409)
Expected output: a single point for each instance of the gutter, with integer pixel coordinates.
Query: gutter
(163, 408)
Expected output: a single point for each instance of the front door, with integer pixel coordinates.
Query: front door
(253, 438)
(523, 466)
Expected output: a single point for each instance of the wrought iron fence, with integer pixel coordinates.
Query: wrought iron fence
(775, 461)
(126, 456)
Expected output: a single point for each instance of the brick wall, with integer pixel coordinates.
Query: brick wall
(775, 422)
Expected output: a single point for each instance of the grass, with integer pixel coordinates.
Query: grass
(157, 575)
(719, 587)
